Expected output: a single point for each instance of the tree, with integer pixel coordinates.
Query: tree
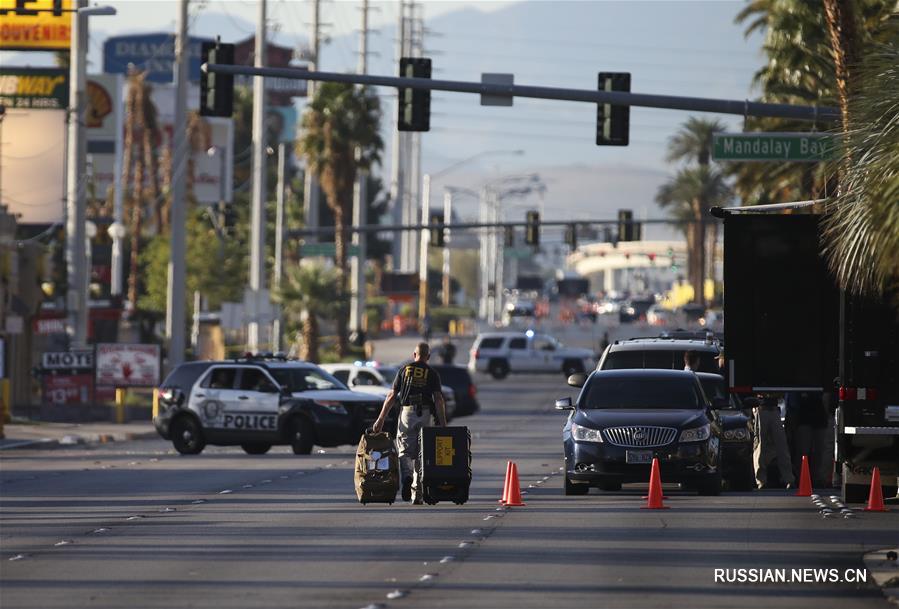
(692, 192)
(308, 292)
(688, 197)
(861, 236)
(340, 136)
(800, 69)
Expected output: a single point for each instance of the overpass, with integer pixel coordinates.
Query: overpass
(591, 259)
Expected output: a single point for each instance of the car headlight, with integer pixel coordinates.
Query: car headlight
(697, 434)
(333, 407)
(737, 435)
(585, 434)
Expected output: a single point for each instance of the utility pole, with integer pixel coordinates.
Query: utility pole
(360, 205)
(397, 177)
(257, 214)
(415, 181)
(447, 218)
(311, 192)
(175, 295)
(76, 213)
(279, 242)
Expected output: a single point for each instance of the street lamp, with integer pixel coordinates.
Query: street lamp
(426, 220)
(76, 258)
(448, 193)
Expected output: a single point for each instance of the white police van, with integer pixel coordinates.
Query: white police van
(501, 353)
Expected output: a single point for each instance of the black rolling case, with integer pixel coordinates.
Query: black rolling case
(445, 464)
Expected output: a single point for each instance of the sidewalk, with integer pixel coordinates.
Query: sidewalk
(34, 434)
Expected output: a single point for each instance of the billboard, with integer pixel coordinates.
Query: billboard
(35, 25)
(154, 53)
(216, 134)
(121, 365)
(280, 90)
(33, 147)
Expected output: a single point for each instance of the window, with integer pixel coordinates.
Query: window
(364, 377)
(641, 392)
(220, 378)
(254, 379)
(518, 343)
(298, 379)
(491, 343)
(544, 343)
(343, 376)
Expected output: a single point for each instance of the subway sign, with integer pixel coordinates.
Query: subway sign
(35, 25)
(34, 88)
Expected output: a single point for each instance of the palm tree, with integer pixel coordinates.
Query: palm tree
(861, 236)
(688, 197)
(339, 121)
(307, 293)
(693, 144)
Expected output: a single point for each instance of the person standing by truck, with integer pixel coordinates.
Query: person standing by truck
(771, 443)
(417, 389)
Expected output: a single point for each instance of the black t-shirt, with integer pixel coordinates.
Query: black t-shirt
(415, 384)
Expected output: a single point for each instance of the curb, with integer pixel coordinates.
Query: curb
(75, 440)
(884, 572)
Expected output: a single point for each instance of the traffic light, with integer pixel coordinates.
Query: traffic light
(625, 225)
(510, 237)
(437, 233)
(414, 104)
(613, 122)
(532, 230)
(217, 90)
(571, 236)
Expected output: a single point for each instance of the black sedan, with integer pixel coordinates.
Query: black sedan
(737, 431)
(624, 418)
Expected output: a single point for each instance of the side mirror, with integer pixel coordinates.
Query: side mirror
(578, 379)
(564, 404)
(284, 390)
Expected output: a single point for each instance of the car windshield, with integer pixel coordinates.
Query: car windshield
(716, 389)
(298, 379)
(640, 392)
(659, 359)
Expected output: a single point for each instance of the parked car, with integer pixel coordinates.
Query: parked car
(257, 403)
(622, 419)
(737, 432)
(659, 316)
(376, 379)
(662, 352)
(501, 353)
(459, 379)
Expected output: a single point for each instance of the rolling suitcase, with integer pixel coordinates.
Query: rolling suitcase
(377, 468)
(445, 464)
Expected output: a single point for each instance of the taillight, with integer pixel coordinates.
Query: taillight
(472, 390)
(858, 393)
(476, 353)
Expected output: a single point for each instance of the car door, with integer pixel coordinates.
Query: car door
(521, 358)
(256, 406)
(544, 354)
(213, 395)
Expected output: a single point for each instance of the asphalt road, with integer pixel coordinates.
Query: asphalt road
(135, 525)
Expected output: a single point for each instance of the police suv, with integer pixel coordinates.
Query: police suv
(499, 353)
(258, 403)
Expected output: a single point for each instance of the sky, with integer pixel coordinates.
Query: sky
(676, 47)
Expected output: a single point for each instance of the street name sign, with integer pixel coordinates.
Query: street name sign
(773, 146)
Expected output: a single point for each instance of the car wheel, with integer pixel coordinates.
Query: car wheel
(498, 369)
(711, 486)
(256, 449)
(609, 486)
(575, 489)
(302, 436)
(187, 437)
(570, 367)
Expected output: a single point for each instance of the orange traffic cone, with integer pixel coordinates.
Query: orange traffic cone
(513, 497)
(805, 480)
(875, 497)
(654, 499)
(506, 482)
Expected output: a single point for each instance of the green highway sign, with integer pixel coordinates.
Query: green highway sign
(326, 250)
(773, 146)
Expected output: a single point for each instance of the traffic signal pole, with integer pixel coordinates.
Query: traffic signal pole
(669, 102)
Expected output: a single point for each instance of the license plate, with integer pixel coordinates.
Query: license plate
(638, 456)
